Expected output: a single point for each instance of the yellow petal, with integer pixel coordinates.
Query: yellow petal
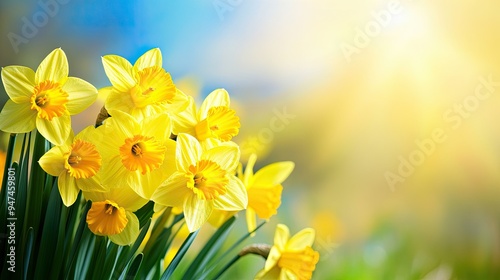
(273, 174)
(124, 196)
(271, 274)
(19, 82)
(251, 220)
(304, 238)
(81, 95)
(281, 236)
(123, 124)
(272, 258)
(178, 103)
(119, 71)
(158, 126)
(227, 157)
(87, 134)
(117, 100)
(148, 59)
(286, 274)
(53, 160)
(169, 166)
(218, 97)
(114, 174)
(265, 201)
(235, 199)
(218, 217)
(127, 198)
(159, 208)
(249, 169)
(57, 130)
(185, 121)
(17, 118)
(188, 152)
(129, 233)
(92, 184)
(106, 218)
(173, 191)
(196, 212)
(148, 183)
(53, 68)
(67, 188)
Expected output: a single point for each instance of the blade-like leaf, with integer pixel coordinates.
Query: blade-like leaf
(180, 254)
(209, 249)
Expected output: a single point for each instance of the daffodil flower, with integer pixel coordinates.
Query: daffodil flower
(264, 189)
(44, 99)
(204, 181)
(290, 258)
(264, 192)
(137, 154)
(143, 89)
(76, 164)
(214, 120)
(112, 214)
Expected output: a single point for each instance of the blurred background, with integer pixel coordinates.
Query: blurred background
(388, 108)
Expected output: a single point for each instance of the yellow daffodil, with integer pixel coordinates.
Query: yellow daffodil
(112, 214)
(264, 192)
(76, 164)
(143, 89)
(264, 189)
(214, 120)
(290, 258)
(44, 99)
(139, 155)
(203, 181)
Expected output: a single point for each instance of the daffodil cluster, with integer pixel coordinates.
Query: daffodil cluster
(153, 144)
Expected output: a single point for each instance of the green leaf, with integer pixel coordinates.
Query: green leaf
(127, 253)
(211, 247)
(97, 258)
(180, 254)
(49, 239)
(27, 252)
(133, 268)
(214, 262)
(35, 200)
(84, 254)
(145, 213)
(110, 262)
(59, 253)
(75, 248)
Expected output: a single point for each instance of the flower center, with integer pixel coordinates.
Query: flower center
(142, 153)
(49, 100)
(300, 263)
(265, 201)
(83, 160)
(207, 180)
(221, 123)
(154, 86)
(106, 218)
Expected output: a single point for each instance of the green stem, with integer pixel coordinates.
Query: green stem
(227, 266)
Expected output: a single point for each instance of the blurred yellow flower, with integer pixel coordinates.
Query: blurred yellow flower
(264, 189)
(44, 99)
(76, 164)
(139, 155)
(144, 89)
(214, 120)
(203, 181)
(112, 214)
(290, 258)
(3, 158)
